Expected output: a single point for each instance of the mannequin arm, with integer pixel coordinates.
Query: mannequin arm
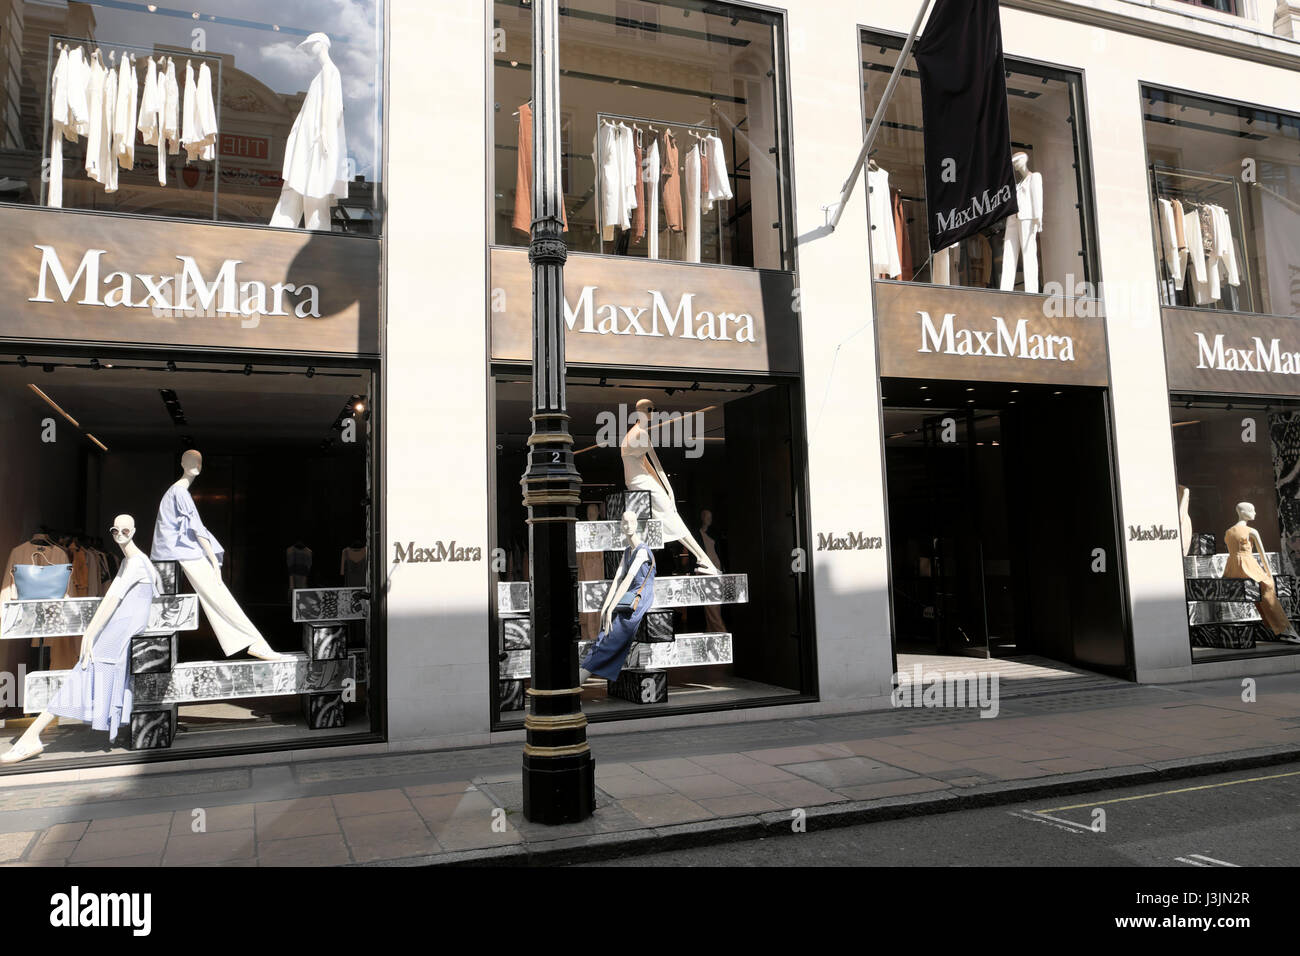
(206, 545)
(618, 589)
(660, 476)
(1036, 193)
(107, 605)
(1263, 557)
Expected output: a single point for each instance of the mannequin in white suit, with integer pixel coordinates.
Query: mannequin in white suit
(1021, 238)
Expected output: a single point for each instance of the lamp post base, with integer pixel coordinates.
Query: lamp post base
(559, 789)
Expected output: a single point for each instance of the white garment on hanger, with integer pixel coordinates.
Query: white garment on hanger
(719, 181)
(59, 128)
(171, 108)
(206, 116)
(149, 120)
(884, 241)
(189, 104)
(1225, 248)
(650, 176)
(107, 155)
(1169, 241)
(316, 153)
(1205, 280)
(615, 157)
(691, 212)
(124, 114)
(95, 128)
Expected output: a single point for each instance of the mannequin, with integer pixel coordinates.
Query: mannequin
(591, 567)
(297, 558)
(1023, 228)
(1185, 517)
(97, 688)
(1243, 543)
(352, 564)
(712, 612)
(643, 472)
(630, 595)
(179, 535)
(316, 153)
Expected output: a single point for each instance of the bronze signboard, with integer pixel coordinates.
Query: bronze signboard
(1208, 351)
(938, 332)
(652, 313)
(115, 279)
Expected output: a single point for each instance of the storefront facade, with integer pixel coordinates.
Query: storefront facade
(811, 383)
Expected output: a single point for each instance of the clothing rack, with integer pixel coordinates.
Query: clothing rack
(1219, 181)
(90, 44)
(654, 126)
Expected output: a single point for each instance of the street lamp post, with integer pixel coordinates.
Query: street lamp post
(559, 774)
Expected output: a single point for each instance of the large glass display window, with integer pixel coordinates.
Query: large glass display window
(672, 130)
(1238, 469)
(1056, 253)
(250, 111)
(717, 608)
(198, 532)
(1225, 181)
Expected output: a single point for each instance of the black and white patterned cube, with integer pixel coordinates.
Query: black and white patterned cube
(640, 686)
(325, 642)
(153, 654)
(511, 693)
(153, 729)
(637, 502)
(1224, 589)
(170, 574)
(1202, 545)
(656, 628)
(1239, 636)
(1288, 594)
(324, 711)
(516, 633)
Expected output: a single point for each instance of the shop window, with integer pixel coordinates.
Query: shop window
(1045, 106)
(672, 127)
(236, 142)
(1226, 188)
(727, 450)
(1238, 468)
(283, 487)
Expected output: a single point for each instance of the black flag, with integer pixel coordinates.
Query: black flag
(969, 182)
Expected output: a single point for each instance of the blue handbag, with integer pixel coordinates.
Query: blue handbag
(41, 582)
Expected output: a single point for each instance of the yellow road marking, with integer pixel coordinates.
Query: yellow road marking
(1165, 793)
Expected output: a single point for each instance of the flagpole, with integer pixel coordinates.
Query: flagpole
(849, 183)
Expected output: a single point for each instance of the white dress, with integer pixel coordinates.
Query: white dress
(316, 153)
(692, 210)
(95, 130)
(719, 181)
(650, 175)
(884, 241)
(615, 159)
(60, 127)
(124, 114)
(199, 121)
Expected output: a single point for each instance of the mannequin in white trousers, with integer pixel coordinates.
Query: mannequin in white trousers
(1021, 239)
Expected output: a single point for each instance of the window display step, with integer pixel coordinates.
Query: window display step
(330, 604)
(1236, 636)
(691, 590)
(1220, 612)
(1212, 565)
(688, 650)
(608, 535)
(69, 617)
(1222, 589)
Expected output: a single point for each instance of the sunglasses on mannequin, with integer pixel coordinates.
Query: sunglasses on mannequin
(123, 532)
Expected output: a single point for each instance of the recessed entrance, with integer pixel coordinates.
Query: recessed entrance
(1003, 533)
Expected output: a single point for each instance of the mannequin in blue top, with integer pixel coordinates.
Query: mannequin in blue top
(180, 535)
(630, 595)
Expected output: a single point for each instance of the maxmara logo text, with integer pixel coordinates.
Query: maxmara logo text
(656, 319)
(1003, 340)
(1254, 358)
(853, 541)
(93, 284)
(441, 551)
(1155, 532)
(978, 207)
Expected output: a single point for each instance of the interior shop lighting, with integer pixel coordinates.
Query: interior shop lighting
(359, 407)
(53, 404)
(311, 371)
(22, 361)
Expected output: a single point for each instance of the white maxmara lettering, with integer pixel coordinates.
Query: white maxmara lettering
(1001, 341)
(188, 289)
(1257, 357)
(657, 318)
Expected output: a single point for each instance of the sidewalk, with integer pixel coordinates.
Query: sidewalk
(658, 789)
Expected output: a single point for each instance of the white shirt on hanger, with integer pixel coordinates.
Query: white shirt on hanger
(124, 115)
(719, 181)
(650, 176)
(691, 212)
(884, 241)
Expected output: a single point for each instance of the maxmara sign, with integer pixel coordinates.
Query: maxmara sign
(936, 332)
(114, 279)
(1238, 354)
(620, 311)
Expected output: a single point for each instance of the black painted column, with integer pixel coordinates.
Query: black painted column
(559, 773)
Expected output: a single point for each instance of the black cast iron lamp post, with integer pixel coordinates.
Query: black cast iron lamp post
(559, 773)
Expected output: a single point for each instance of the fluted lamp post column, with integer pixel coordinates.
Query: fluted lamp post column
(559, 774)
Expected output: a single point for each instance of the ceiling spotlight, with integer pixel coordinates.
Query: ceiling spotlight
(248, 369)
(47, 368)
(311, 371)
(670, 391)
(735, 20)
(970, 389)
(359, 407)
(94, 363)
(22, 361)
(171, 366)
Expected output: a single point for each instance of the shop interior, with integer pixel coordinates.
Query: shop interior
(1225, 453)
(1236, 167)
(733, 478)
(283, 484)
(998, 495)
(1044, 107)
(703, 72)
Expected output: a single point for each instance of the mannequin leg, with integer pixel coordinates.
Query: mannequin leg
(29, 744)
(1029, 250)
(288, 210)
(317, 214)
(1010, 250)
(229, 622)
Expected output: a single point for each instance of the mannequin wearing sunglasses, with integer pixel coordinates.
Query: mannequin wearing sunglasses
(180, 535)
(643, 472)
(97, 689)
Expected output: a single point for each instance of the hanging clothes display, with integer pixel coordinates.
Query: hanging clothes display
(638, 210)
(650, 179)
(884, 241)
(199, 121)
(523, 217)
(149, 120)
(671, 179)
(107, 154)
(617, 175)
(715, 182)
(692, 200)
(95, 149)
(901, 235)
(124, 114)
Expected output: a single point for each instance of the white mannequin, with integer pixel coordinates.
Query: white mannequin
(29, 744)
(315, 162)
(643, 472)
(1185, 517)
(618, 587)
(1023, 228)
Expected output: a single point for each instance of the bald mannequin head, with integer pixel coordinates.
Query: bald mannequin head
(123, 530)
(191, 463)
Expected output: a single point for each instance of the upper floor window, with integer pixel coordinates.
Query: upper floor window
(204, 112)
(1048, 250)
(1225, 180)
(672, 126)
(1223, 6)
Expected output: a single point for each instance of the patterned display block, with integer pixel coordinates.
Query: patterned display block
(324, 711)
(153, 653)
(1222, 589)
(512, 597)
(638, 502)
(1288, 594)
(608, 535)
(688, 650)
(233, 680)
(1236, 636)
(153, 729)
(325, 642)
(69, 617)
(692, 590)
(360, 661)
(656, 628)
(1220, 612)
(515, 665)
(1202, 545)
(516, 633)
(511, 694)
(1211, 566)
(329, 604)
(640, 686)
(170, 574)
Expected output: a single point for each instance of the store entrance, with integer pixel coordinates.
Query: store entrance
(1003, 535)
